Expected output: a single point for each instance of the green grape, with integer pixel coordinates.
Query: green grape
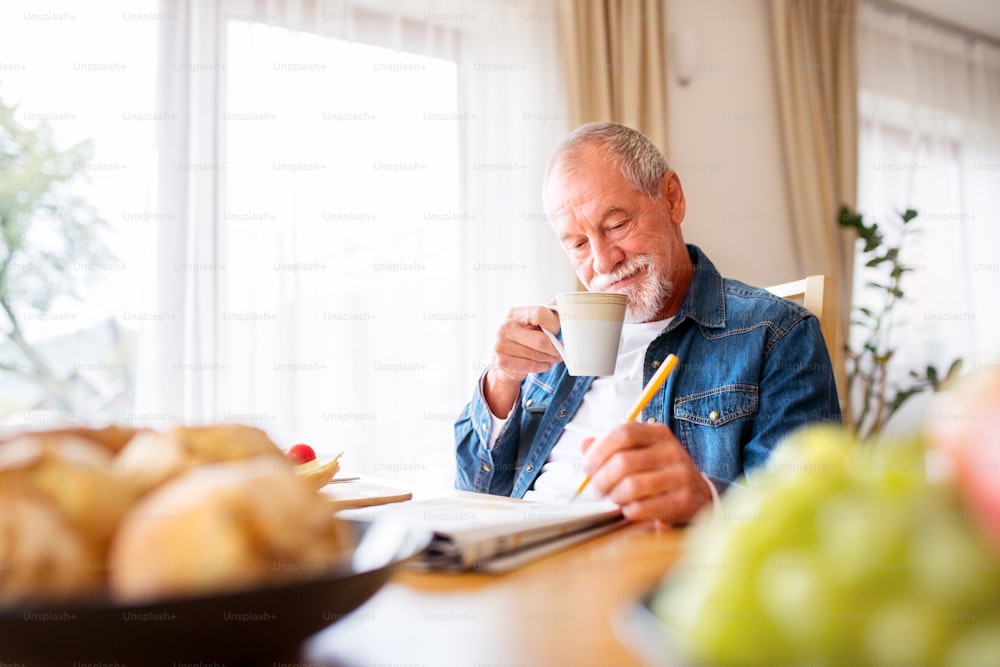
(729, 629)
(837, 554)
(979, 646)
(903, 632)
(948, 561)
(794, 591)
(895, 468)
(818, 449)
(853, 539)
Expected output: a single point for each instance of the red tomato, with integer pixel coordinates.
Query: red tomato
(301, 453)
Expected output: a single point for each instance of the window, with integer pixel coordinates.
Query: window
(354, 204)
(339, 244)
(928, 141)
(75, 311)
(318, 212)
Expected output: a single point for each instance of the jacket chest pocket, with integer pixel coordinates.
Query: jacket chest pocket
(717, 407)
(536, 398)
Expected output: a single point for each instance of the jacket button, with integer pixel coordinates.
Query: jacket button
(656, 363)
(651, 420)
(562, 413)
(529, 402)
(486, 467)
(529, 467)
(713, 415)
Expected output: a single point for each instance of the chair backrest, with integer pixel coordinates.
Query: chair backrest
(819, 295)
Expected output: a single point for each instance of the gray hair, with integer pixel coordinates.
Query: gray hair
(640, 161)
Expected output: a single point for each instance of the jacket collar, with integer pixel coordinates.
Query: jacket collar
(705, 301)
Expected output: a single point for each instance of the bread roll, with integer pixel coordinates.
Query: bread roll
(224, 527)
(112, 438)
(152, 457)
(43, 558)
(61, 503)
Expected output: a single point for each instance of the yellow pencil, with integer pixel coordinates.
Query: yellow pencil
(653, 386)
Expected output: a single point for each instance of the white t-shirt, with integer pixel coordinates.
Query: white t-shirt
(605, 405)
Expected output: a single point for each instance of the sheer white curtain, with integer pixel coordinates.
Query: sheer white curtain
(930, 140)
(348, 233)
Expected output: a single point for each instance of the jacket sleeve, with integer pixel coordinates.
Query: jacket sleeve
(480, 468)
(797, 388)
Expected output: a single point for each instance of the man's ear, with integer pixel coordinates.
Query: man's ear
(673, 194)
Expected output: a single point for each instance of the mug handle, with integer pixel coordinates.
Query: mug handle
(556, 343)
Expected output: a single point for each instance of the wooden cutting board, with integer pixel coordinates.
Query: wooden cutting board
(356, 493)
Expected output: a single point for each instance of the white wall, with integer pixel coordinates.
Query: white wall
(725, 142)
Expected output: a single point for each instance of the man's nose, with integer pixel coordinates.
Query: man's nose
(605, 256)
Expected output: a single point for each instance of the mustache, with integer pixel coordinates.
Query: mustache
(629, 268)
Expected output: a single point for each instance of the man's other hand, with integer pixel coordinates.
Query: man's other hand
(647, 472)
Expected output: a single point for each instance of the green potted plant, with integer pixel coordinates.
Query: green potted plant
(875, 396)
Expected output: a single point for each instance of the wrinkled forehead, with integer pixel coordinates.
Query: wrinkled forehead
(587, 169)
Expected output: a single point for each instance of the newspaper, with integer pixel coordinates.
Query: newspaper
(496, 534)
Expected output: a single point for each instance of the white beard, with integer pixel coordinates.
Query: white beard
(646, 297)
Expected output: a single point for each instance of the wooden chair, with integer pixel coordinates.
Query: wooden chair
(819, 295)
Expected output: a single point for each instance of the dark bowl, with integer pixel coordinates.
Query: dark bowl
(257, 626)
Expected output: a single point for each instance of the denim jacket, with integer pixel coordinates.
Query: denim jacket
(753, 368)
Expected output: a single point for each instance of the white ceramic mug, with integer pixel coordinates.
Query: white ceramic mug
(591, 331)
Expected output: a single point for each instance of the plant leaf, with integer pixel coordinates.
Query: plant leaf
(953, 370)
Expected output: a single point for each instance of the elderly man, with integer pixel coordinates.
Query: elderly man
(753, 368)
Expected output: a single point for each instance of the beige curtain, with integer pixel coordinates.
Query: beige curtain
(816, 65)
(614, 59)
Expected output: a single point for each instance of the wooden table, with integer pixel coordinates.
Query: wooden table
(557, 611)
